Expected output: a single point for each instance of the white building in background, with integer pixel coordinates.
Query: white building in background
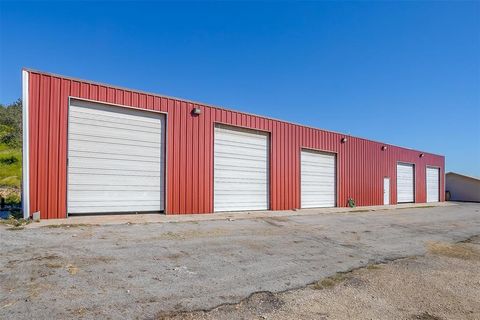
(462, 187)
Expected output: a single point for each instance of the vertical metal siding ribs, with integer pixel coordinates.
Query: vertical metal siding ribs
(361, 164)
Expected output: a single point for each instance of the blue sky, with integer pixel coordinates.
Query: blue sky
(406, 73)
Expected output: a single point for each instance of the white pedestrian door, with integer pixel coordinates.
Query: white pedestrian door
(405, 183)
(386, 191)
(433, 184)
(115, 159)
(241, 169)
(318, 175)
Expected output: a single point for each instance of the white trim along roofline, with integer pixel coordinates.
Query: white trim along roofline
(217, 107)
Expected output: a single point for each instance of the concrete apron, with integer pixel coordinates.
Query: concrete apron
(113, 219)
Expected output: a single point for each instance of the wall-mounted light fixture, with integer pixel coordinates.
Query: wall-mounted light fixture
(343, 140)
(384, 148)
(196, 111)
(421, 155)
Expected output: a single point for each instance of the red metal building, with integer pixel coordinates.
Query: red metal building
(86, 144)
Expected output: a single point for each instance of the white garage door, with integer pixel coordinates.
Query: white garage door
(433, 184)
(317, 179)
(115, 159)
(405, 183)
(240, 169)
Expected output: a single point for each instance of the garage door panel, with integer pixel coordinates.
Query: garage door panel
(240, 170)
(153, 142)
(99, 188)
(255, 150)
(112, 179)
(101, 155)
(235, 171)
(119, 195)
(116, 127)
(241, 205)
(253, 186)
(114, 164)
(99, 109)
(114, 172)
(114, 208)
(227, 157)
(112, 148)
(105, 117)
(84, 131)
(433, 184)
(239, 137)
(318, 179)
(405, 183)
(116, 159)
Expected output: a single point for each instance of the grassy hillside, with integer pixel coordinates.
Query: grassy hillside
(11, 151)
(10, 166)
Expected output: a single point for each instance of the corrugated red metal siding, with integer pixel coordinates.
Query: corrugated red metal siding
(361, 164)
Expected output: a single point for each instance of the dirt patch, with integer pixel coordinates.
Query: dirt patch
(72, 269)
(425, 316)
(66, 226)
(422, 287)
(457, 250)
(256, 306)
(184, 235)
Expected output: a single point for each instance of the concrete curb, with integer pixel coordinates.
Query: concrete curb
(114, 219)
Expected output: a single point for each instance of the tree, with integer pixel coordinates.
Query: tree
(11, 124)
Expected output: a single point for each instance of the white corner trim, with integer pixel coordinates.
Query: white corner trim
(25, 148)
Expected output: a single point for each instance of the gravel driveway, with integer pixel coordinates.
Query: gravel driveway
(144, 270)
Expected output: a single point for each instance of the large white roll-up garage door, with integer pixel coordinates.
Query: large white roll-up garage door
(240, 169)
(115, 159)
(433, 184)
(405, 183)
(317, 179)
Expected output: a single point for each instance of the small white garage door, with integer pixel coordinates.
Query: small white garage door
(433, 184)
(240, 169)
(115, 159)
(317, 179)
(405, 183)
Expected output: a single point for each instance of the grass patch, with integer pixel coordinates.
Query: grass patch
(16, 228)
(456, 250)
(14, 223)
(53, 265)
(10, 166)
(373, 267)
(339, 277)
(330, 281)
